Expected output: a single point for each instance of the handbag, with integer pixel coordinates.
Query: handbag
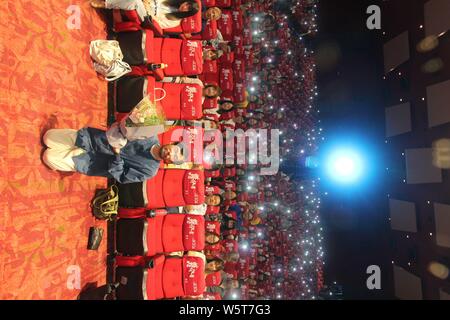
(117, 69)
(105, 52)
(106, 203)
(95, 238)
(107, 57)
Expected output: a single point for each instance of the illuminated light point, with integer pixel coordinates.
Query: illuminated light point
(345, 166)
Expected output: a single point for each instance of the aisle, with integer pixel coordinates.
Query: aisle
(46, 80)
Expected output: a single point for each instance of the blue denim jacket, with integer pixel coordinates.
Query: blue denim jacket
(133, 164)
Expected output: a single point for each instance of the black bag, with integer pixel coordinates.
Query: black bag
(95, 238)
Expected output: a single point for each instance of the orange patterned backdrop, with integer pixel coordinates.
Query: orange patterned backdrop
(46, 81)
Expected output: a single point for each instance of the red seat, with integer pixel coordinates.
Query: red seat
(213, 279)
(169, 188)
(248, 37)
(239, 93)
(210, 66)
(226, 82)
(160, 278)
(227, 58)
(183, 57)
(212, 227)
(238, 21)
(181, 101)
(129, 20)
(158, 233)
(225, 23)
(208, 32)
(239, 70)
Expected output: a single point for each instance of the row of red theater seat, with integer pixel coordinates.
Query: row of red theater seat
(232, 19)
(144, 236)
(184, 57)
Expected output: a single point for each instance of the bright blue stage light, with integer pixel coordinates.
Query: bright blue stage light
(345, 166)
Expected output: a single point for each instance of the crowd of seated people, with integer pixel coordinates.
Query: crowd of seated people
(200, 230)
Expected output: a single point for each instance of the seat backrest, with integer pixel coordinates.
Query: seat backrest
(212, 210)
(210, 103)
(213, 227)
(193, 232)
(209, 66)
(193, 276)
(239, 92)
(194, 187)
(182, 101)
(210, 190)
(213, 279)
(239, 70)
(183, 187)
(226, 81)
(210, 30)
(192, 57)
(227, 58)
(225, 24)
(238, 21)
(248, 39)
(191, 24)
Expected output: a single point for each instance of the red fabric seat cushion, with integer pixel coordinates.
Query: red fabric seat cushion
(153, 280)
(152, 191)
(172, 235)
(172, 188)
(172, 278)
(154, 236)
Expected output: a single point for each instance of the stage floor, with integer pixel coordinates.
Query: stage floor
(46, 81)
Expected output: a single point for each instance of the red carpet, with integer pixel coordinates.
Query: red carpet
(46, 80)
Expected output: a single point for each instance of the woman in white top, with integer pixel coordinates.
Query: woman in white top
(167, 13)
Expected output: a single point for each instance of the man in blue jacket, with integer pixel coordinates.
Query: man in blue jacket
(88, 151)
